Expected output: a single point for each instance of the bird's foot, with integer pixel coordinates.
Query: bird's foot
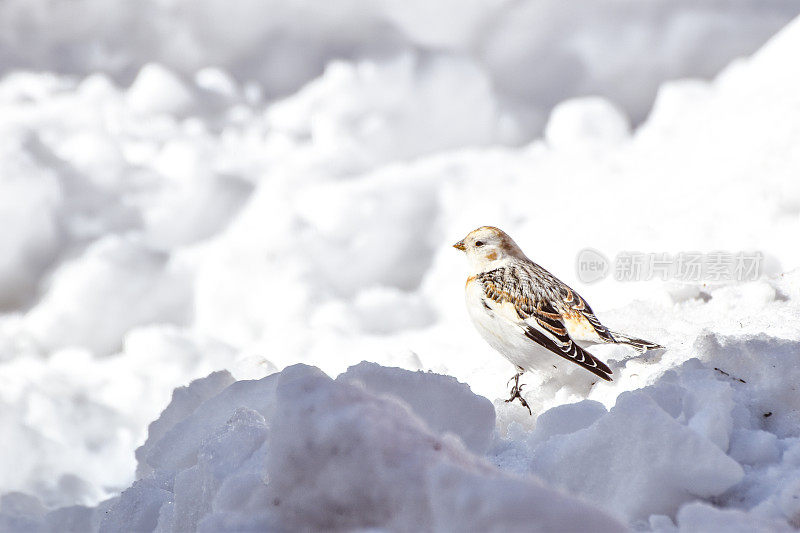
(515, 394)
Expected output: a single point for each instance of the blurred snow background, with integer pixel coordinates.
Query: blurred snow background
(534, 53)
(192, 187)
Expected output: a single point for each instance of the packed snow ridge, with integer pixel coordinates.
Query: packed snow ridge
(407, 450)
(183, 231)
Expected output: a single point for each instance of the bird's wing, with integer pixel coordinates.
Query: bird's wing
(582, 314)
(513, 295)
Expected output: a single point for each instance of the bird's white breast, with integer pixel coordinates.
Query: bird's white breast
(503, 330)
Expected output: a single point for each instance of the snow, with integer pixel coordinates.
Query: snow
(300, 451)
(536, 53)
(673, 463)
(585, 121)
(237, 229)
(443, 407)
(123, 282)
(156, 90)
(29, 197)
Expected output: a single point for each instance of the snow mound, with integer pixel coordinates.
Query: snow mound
(637, 460)
(157, 90)
(586, 121)
(117, 285)
(300, 451)
(29, 203)
(443, 403)
(768, 366)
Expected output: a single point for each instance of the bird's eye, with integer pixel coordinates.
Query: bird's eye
(478, 243)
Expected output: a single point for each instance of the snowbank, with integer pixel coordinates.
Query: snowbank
(300, 451)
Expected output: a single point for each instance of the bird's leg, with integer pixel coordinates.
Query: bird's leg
(516, 389)
(514, 378)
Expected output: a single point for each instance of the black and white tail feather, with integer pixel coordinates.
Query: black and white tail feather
(640, 345)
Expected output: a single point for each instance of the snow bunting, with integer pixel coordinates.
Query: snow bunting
(527, 314)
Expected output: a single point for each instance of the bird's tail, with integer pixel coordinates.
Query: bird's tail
(640, 345)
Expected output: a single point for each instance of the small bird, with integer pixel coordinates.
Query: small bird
(527, 314)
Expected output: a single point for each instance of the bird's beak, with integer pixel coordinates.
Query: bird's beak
(460, 245)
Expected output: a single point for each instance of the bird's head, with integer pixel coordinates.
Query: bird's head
(486, 246)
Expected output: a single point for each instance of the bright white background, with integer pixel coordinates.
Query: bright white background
(196, 186)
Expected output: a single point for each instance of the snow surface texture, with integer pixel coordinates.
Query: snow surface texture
(186, 224)
(298, 451)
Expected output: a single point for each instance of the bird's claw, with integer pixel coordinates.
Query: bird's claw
(515, 394)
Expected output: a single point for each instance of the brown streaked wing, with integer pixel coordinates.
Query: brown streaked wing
(501, 287)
